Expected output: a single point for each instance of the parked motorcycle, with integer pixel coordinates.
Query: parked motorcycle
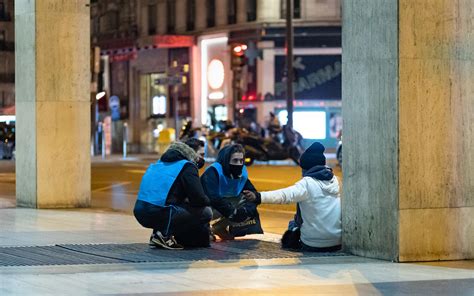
(214, 140)
(265, 149)
(256, 147)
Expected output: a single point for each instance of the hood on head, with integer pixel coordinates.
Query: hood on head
(223, 158)
(179, 151)
(331, 186)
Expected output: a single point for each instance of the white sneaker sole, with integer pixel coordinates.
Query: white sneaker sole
(158, 243)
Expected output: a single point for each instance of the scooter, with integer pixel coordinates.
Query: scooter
(265, 149)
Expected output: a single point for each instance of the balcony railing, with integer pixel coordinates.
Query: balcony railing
(7, 46)
(7, 77)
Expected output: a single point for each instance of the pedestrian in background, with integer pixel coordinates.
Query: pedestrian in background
(223, 182)
(317, 223)
(171, 200)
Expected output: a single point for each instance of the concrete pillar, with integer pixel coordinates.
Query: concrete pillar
(52, 103)
(408, 108)
(221, 13)
(241, 11)
(268, 10)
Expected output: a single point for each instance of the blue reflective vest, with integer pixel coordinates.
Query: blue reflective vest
(229, 187)
(157, 181)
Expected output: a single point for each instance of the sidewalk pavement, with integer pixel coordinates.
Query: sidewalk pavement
(342, 275)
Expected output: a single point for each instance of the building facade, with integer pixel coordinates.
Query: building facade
(7, 58)
(159, 54)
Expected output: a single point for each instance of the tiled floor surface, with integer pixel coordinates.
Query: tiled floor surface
(285, 276)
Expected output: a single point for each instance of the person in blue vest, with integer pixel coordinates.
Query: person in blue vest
(224, 182)
(171, 200)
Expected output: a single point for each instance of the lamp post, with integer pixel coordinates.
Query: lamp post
(98, 96)
(289, 61)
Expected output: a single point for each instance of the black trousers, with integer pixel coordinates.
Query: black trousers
(189, 225)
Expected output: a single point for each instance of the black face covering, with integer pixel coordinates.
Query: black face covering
(200, 162)
(236, 170)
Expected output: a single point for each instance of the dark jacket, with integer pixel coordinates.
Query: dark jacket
(210, 184)
(187, 187)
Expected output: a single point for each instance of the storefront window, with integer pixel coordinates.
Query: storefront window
(158, 95)
(311, 124)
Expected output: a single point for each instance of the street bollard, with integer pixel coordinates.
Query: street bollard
(125, 137)
(101, 126)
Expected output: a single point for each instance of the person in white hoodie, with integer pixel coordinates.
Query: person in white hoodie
(318, 216)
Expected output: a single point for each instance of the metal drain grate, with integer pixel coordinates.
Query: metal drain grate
(138, 253)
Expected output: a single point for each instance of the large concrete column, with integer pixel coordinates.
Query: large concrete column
(52, 103)
(408, 108)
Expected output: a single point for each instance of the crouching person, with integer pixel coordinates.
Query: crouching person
(223, 182)
(317, 223)
(171, 200)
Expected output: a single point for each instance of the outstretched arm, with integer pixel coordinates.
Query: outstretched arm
(291, 194)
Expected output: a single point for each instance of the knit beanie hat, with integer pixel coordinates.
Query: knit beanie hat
(313, 156)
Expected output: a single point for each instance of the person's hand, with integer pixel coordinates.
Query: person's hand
(249, 195)
(239, 215)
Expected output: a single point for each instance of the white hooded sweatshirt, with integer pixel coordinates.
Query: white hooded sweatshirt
(320, 208)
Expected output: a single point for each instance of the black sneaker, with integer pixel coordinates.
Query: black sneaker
(167, 242)
(222, 231)
(151, 243)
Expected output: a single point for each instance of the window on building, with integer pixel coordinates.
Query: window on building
(3, 38)
(2, 10)
(152, 18)
(95, 26)
(191, 14)
(251, 10)
(170, 16)
(211, 13)
(232, 12)
(296, 9)
(109, 21)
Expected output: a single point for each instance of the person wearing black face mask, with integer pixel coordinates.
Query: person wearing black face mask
(171, 200)
(224, 182)
(197, 146)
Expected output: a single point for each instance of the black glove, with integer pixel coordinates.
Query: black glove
(239, 215)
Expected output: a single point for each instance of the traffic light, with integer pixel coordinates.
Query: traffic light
(238, 55)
